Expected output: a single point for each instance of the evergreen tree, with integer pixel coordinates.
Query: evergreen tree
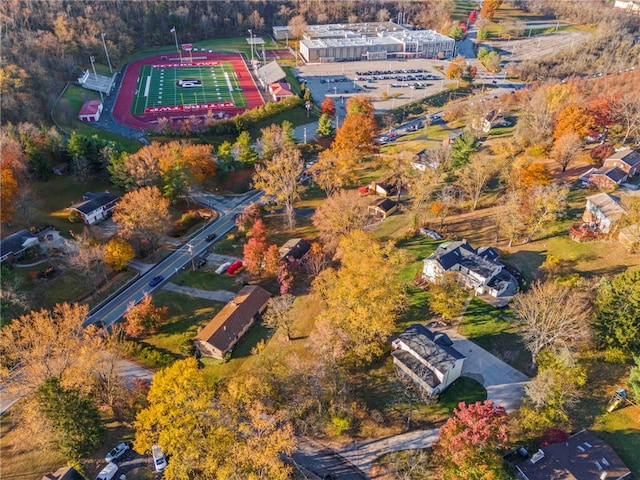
(245, 153)
(325, 126)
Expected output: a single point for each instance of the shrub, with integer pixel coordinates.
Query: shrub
(339, 425)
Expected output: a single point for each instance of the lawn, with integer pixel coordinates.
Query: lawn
(207, 279)
(492, 329)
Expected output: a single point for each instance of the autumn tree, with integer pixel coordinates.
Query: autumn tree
(143, 214)
(249, 218)
(118, 252)
(260, 259)
(325, 126)
(627, 107)
(297, 25)
(144, 318)
(566, 149)
(236, 435)
(455, 68)
(86, 256)
(533, 175)
(317, 259)
(617, 313)
(340, 214)
(474, 176)
(327, 107)
(363, 297)
(331, 172)
(278, 178)
(552, 316)
(573, 118)
(540, 207)
(273, 139)
(50, 343)
(467, 448)
(447, 298)
(244, 151)
(278, 314)
(355, 138)
(74, 420)
(9, 187)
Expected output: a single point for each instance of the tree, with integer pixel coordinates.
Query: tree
(144, 318)
(143, 214)
(541, 206)
(259, 258)
(118, 253)
(325, 126)
(552, 316)
(468, 442)
(273, 139)
(627, 107)
(340, 214)
(474, 176)
(363, 297)
(212, 433)
(456, 32)
(297, 25)
(327, 107)
(533, 175)
(244, 151)
(74, 419)
(634, 380)
(332, 171)
(278, 178)
(278, 314)
(455, 68)
(317, 259)
(617, 313)
(489, 8)
(462, 148)
(86, 256)
(10, 191)
(573, 118)
(50, 343)
(355, 138)
(447, 298)
(566, 149)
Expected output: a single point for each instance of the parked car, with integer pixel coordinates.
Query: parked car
(211, 237)
(108, 472)
(430, 234)
(234, 267)
(159, 459)
(117, 452)
(201, 262)
(156, 280)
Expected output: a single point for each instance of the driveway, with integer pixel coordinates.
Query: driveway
(504, 384)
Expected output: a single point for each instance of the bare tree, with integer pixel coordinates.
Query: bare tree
(566, 149)
(278, 314)
(628, 108)
(553, 316)
(474, 176)
(341, 213)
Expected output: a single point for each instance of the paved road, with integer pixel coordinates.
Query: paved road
(113, 310)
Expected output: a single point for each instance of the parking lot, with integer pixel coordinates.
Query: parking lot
(409, 79)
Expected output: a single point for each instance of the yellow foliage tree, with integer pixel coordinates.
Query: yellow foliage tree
(573, 118)
(118, 252)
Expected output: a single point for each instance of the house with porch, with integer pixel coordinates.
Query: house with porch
(604, 211)
(478, 270)
(13, 246)
(427, 358)
(221, 334)
(95, 206)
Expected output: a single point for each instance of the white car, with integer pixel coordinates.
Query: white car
(159, 459)
(117, 452)
(108, 472)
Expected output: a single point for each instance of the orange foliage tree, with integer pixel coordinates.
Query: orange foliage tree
(328, 107)
(573, 118)
(144, 318)
(534, 174)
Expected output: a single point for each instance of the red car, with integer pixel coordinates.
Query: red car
(234, 267)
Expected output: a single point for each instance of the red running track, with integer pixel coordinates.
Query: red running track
(122, 108)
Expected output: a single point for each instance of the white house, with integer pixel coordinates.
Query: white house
(427, 358)
(95, 206)
(604, 210)
(90, 111)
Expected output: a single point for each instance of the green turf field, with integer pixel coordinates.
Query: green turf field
(157, 87)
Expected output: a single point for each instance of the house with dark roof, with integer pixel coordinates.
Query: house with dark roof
(221, 334)
(626, 160)
(427, 358)
(583, 456)
(478, 269)
(294, 249)
(64, 473)
(95, 206)
(14, 246)
(382, 207)
(608, 177)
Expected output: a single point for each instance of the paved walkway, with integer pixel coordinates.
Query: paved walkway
(214, 295)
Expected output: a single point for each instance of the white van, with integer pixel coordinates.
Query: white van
(158, 458)
(223, 268)
(108, 472)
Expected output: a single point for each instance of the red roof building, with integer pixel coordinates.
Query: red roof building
(279, 90)
(90, 111)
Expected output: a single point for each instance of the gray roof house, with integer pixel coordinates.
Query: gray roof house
(582, 457)
(427, 358)
(476, 269)
(95, 206)
(604, 210)
(294, 249)
(14, 246)
(64, 473)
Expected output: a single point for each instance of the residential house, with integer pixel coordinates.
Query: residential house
(626, 160)
(383, 189)
(603, 210)
(629, 6)
(90, 111)
(608, 177)
(476, 269)
(64, 473)
(427, 358)
(294, 249)
(220, 335)
(582, 457)
(14, 246)
(383, 207)
(95, 206)
(421, 162)
(279, 91)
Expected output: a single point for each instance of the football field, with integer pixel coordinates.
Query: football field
(194, 86)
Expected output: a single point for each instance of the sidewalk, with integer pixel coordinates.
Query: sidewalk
(214, 295)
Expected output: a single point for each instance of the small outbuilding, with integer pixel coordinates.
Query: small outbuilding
(383, 207)
(221, 334)
(279, 91)
(90, 111)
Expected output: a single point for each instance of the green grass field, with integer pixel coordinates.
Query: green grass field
(157, 87)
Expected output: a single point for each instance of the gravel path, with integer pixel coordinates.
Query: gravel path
(214, 295)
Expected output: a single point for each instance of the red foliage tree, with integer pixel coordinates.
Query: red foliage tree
(328, 107)
(602, 110)
(467, 445)
(601, 152)
(144, 318)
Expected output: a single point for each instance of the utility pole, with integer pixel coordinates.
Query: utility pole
(104, 44)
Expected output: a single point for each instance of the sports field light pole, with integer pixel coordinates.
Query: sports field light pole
(175, 36)
(104, 44)
(95, 75)
(251, 45)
